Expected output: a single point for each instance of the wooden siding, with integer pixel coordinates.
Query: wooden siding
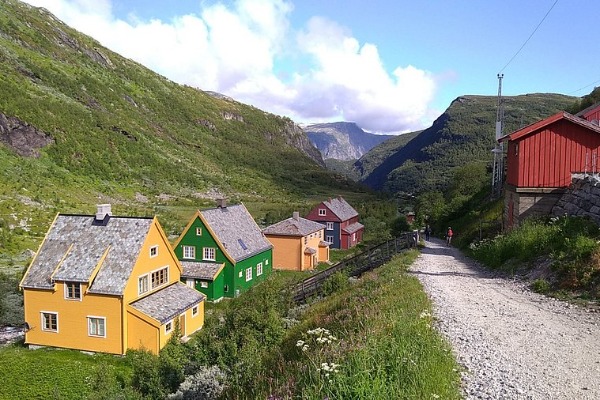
(288, 251)
(548, 157)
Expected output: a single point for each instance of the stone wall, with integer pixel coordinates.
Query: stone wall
(582, 199)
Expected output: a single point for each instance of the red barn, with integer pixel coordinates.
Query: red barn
(342, 228)
(541, 159)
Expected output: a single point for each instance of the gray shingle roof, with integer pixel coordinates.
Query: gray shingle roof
(294, 227)
(236, 230)
(200, 270)
(341, 208)
(169, 302)
(80, 244)
(355, 227)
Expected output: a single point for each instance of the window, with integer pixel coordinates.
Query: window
(354, 237)
(142, 284)
(226, 288)
(160, 277)
(73, 290)
(169, 326)
(210, 254)
(305, 239)
(329, 239)
(189, 252)
(153, 251)
(49, 321)
(248, 274)
(190, 282)
(259, 269)
(329, 226)
(322, 212)
(198, 231)
(266, 262)
(194, 311)
(97, 326)
(240, 274)
(203, 284)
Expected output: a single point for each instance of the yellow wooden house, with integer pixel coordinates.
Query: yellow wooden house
(298, 243)
(103, 283)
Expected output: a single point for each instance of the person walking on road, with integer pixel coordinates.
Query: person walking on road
(449, 235)
(427, 232)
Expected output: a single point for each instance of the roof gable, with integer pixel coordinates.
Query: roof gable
(75, 246)
(294, 227)
(536, 126)
(236, 231)
(340, 207)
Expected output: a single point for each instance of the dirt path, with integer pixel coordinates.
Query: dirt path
(514, 344)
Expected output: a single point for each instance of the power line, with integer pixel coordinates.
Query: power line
(586, 86)
(530, 36)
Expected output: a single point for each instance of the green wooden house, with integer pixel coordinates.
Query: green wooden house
(223, 252)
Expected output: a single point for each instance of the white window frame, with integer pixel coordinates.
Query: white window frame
(157, 271)
(248, 274)
(354, 237)
(209, 254)
(101, 326)
(190, 282)
(67, 297)
(42, 316)
(198, 231)
(322, 212)
(155, 250)
(329, 239)
(189, 252)
(143, 284)
(194, 311)
(204, 284)
(169, 327)
(329, 226)
(267, 261)
(259, 269)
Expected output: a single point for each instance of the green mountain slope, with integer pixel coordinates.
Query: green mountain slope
(463, 134)
(80, 124)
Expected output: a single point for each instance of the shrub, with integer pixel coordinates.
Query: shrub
(336, 282)
(540, 286)
(207, 383)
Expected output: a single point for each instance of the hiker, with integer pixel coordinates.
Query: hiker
(449, 235)
(427, 232)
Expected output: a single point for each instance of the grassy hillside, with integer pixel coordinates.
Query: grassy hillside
(114, 131)
(463, 134)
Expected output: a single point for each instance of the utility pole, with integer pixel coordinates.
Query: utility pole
(498, 151)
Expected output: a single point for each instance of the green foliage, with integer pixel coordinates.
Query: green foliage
(335, 283)
(146, 376)
(541, 286)
(399, 225)
(207, 383)
(586, 101)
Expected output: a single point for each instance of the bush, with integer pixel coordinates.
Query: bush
(541, 286)
(336, 282)
(207, 383)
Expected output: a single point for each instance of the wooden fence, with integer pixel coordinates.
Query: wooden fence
(355, 266)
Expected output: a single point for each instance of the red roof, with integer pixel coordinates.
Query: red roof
(563, 115)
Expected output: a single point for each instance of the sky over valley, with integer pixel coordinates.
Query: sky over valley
(391, 66)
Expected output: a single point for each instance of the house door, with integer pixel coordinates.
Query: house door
(182, 324)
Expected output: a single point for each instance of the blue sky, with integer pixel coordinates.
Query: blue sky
(391, 66)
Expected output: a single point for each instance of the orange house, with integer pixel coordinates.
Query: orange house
(106, 284)
(298, 243)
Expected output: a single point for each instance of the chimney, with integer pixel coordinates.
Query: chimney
(296, 215)
(102, 211)
(221, 203)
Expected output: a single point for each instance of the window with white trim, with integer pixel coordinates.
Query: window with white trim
(322, 212)
(210, 254)
(329, 226)
(73, 290)
(154, 251)
(97, 326)
(203, 284)
(160, 277)
(49, 321)
(248, 274)
(194, 311)
(190, 282)
(329, 239)
(198, 231)
(259, 270)
(189, 252)
(354, 237)
(169, 326)
(267, 262)
(142, 284)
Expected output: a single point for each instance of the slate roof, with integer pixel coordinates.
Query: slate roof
(201, 270)
(169, 302)
(236, 230)
(294, 227)
(74, 246)
(355, 227)
(341, 208)
(534, 127)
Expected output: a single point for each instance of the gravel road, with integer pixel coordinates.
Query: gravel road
(512, 343)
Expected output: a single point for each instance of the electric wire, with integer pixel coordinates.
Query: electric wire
(530, 36)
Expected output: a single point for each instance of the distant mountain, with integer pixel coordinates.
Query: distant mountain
(463, 134)
(342, 140)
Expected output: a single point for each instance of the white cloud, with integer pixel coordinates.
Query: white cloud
(239, 51)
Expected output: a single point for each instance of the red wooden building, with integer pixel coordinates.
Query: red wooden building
(342, 228)
(541, 159)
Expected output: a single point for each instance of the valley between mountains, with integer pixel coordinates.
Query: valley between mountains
(512, 343)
